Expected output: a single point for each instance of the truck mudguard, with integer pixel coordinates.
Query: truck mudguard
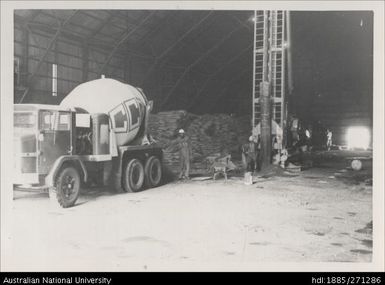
(50, 178)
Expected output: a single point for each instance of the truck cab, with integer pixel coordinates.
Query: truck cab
(42, 133)
(58, 149)
(54, 152)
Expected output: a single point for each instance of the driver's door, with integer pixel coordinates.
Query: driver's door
(54, 137)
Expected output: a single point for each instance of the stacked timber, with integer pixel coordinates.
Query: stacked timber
(210, 135)
(164, 128)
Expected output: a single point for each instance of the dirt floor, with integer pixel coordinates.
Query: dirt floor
(322, 214)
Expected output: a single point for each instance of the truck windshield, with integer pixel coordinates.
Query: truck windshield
(24, 120)
(52, 120)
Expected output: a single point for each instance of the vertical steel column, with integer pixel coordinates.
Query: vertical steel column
(287, 64)
(265, 95)
(25, 62)
(127, 69)
(289, 50)
(85, 58)
(283, 85)
(254, 66)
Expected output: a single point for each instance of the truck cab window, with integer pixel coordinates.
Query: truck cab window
(47, 120)
(64, 122)
(24, 120)
(134, 113)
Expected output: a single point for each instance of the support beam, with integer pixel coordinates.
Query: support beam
(143, 40)
(191, 66)
(172, 46)
(241, 22)
(56, 17)
(25, 63)
(85, 60)
(125, 16)
(222, 93)
(75, 40)
(44, 30)
(100, 19)
(83, 27)
(100, 26)
(199, 92)
(24, 23)
(289, 54)
(32, 17)
(287, 63)
(122, 40)
(127, 68)
(265, 95)
(265, 124)
(227, 86)
(49, 48)
(95, 44)
(243, 104)
(213, 75)
(231, 60)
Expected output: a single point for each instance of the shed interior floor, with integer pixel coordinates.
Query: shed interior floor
(323, 214)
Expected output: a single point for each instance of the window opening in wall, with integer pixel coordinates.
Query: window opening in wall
(54, 79)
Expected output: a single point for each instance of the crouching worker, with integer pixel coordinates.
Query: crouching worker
(185, 154)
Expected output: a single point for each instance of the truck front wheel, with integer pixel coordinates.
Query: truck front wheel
(133, 176)
(67, 187)
(153, 172)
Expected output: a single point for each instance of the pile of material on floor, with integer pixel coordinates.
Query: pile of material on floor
(210, 135)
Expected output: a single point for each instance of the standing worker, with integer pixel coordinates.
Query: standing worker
(185, 153)
(250, 152)
(329, 135)
(258, 153)
(294, 128)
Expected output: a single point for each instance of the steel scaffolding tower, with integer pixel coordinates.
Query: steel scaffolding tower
(269, 63)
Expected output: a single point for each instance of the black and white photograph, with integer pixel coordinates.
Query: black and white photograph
(192, 136)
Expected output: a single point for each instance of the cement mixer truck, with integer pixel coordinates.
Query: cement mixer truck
(97, 135)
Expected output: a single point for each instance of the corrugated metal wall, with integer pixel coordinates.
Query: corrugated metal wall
(70, 59)
(77, 65)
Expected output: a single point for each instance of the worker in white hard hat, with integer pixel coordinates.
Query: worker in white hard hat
(185, 152)
(250, 151)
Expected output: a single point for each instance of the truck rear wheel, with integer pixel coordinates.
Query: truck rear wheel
(67, 187)
(133, 177)
(153, 172)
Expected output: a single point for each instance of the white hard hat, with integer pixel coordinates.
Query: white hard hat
(251, 138)
(181, 131)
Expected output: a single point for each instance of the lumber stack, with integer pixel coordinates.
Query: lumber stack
(164, 128)
(209, 134)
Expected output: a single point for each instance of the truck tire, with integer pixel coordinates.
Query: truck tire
(133, 176)
(67, 187)
(153, 172)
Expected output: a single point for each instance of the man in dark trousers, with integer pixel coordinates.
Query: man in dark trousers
(185, 154)
(250, 151)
